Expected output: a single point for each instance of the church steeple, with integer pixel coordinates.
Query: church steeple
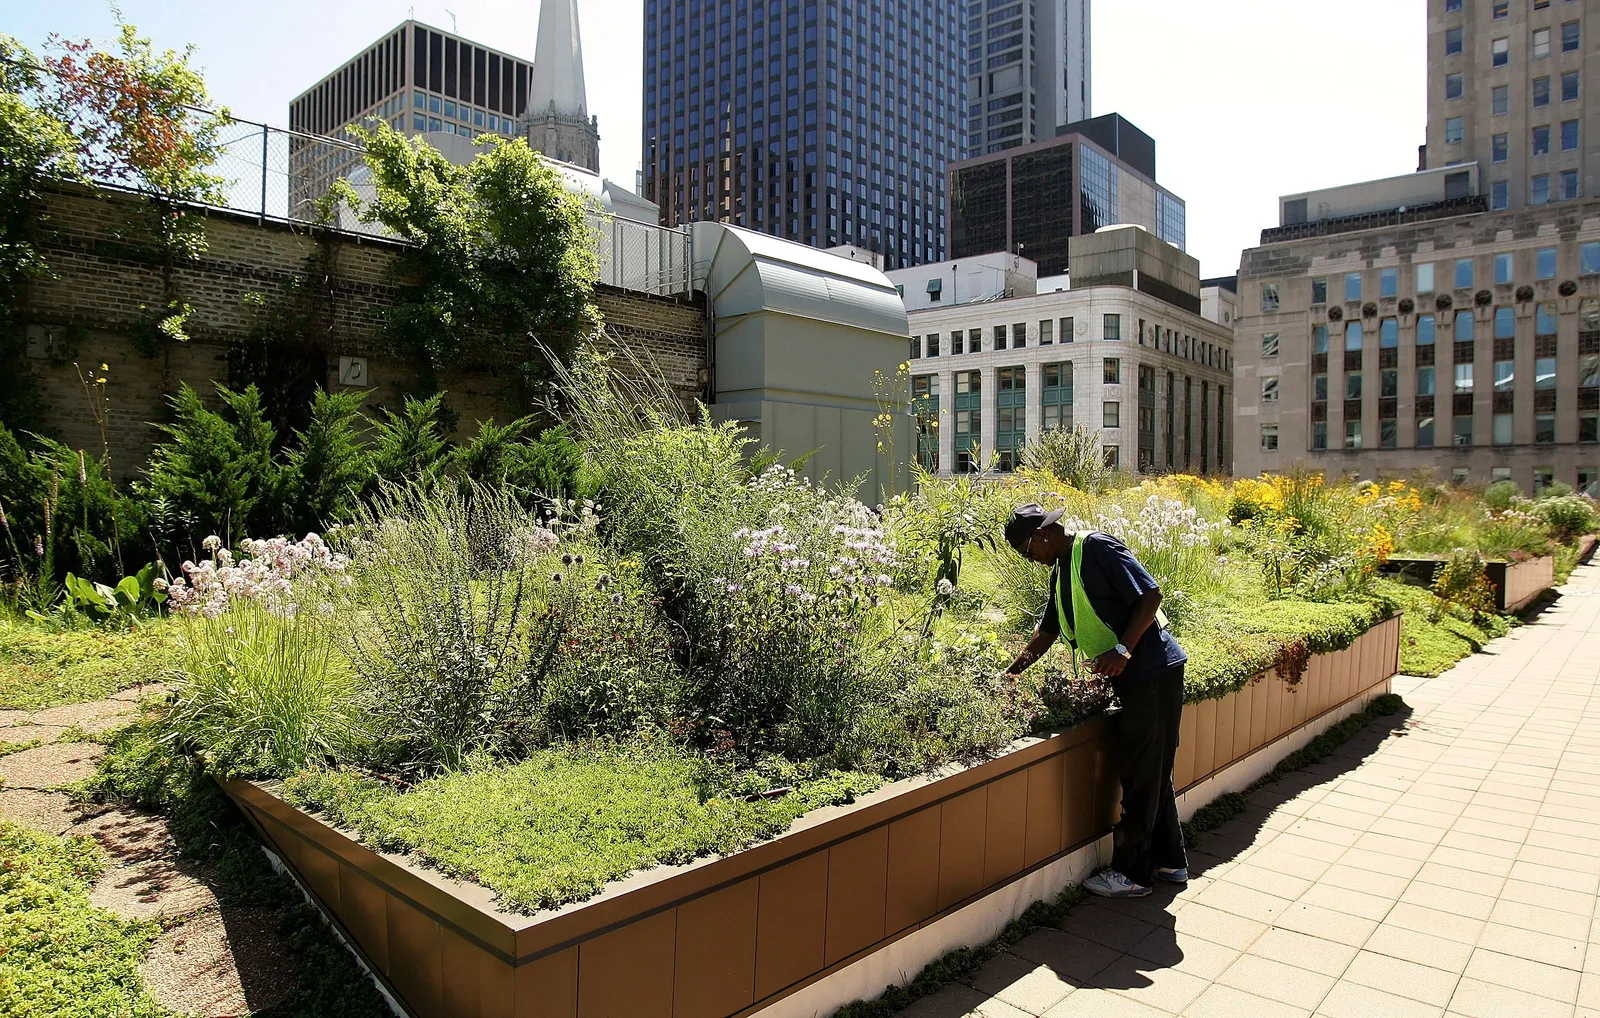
(557, 118)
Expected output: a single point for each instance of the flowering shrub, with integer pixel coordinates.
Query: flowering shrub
(266, 571)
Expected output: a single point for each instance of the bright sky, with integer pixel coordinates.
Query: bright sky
(1247, 99)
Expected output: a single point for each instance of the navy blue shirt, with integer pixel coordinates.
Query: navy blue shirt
(1114, 580)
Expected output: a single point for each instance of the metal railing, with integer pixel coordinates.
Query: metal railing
(279, 175)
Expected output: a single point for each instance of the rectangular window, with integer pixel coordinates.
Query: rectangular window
(1463, 378)
(1544, 429)
(1113, 455)
(999, 337)
(1111, 414)
(1500, 9)
(1319, 388)
(1503, 429)
(1541, 92)
(1319, 435)
(1569, 184)
(1352, 286)
(1269, 296)
(1502, 268)
(1388, 383)
(1452, 41)
(1352, 434)
(1589, 371)
(1544, 373)
(1424, 330)
(1047, 332)
(1589, 431)
(1464, 326)
(1269, 345)
(957, 345)
(1547, 263)
(1569, 86)
(1269, 389)
(1463, 273)
(1352, 385)
(933, 344)
(1541, 43)
(1499, 195)
(1425, 381)
(1388, 334)
(1352, 335)
(1388, 282)
(1463, 432)
(1425, 432)
(1499, 148)
(1066, 330)
(1388, 433)
(1500, 100)
(1452, 5)
(1269, 438)
(1111, 327)
(1541, 140)
(1569, 135)
(1569, 36)
(1452, 130)
(1319, 290)
(1505, 323)
(1505, 376)
(1319, 336)
(1452, 86)
(1539, 189)
(1589, 258)
(1425, 277)
(1111, 371)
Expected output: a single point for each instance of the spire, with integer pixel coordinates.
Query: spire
(558, 62)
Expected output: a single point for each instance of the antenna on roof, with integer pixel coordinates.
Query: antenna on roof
(453, 29)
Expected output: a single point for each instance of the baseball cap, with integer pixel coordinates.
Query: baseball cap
(1025, 521)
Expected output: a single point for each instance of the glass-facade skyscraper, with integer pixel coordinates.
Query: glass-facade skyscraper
(826, 122)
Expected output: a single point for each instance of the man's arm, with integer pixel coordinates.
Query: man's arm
(1041, 642)
(1144, 612)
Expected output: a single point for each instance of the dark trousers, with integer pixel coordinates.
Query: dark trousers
(1148, 836)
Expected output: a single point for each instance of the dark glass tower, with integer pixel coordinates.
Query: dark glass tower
(823, 121)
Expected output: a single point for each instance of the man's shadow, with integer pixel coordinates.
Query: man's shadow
(1122, 943)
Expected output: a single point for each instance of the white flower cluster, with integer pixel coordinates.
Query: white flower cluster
(265, 572)
(532, 541)
(1162, 525)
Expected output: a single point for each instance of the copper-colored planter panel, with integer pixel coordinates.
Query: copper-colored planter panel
(497, 992)
(1259, 702)
(858, 887)
(1222, 750)
(363, 909)
(716, 954)
(1090, 792)
(961, 841)
(1183, 763)
(913, 870)
(1275, 688)
(791, 924)
(627, 973)
(547, 987)
(415, 957)
(1043, 836)
(1006, 828)
(1244, 702)
(1205, 737)
(461, 974)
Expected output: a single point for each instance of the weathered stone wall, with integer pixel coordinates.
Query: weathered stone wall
(105, 292)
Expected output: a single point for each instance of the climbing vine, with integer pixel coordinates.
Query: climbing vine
(500, 258)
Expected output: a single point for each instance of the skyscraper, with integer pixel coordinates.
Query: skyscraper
(825, 123)
(1027, 67)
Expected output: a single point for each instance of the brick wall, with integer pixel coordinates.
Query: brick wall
(104, 290)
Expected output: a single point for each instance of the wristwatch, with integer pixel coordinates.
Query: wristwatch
(1120, 649)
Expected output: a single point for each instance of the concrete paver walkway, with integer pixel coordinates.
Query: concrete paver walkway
(1446, 864)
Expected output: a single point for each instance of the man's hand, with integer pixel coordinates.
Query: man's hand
(1110, 664)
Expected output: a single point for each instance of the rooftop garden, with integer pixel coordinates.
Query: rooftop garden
(665, 643)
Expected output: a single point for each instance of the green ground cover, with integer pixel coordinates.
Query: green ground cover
(43, 667)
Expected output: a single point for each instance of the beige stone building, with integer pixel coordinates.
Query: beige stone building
(1124, 350)
(1446, 320)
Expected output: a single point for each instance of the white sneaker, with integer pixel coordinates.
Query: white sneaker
(1108, 883)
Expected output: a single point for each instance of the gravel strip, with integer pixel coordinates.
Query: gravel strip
(221, 965)
(50, 766)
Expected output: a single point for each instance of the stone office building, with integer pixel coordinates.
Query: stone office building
(1124, 351)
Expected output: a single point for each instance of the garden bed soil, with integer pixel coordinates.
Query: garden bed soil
(1516, 584)
(726, 937)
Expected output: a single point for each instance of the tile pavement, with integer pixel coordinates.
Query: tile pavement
(1446, 865)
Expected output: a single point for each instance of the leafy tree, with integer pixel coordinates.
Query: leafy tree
(500, 251)
(328, 465)
(1073, 455)
(217, 465)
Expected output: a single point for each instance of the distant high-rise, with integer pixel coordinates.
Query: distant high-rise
(827, 124)
(424, 81)
(1027, 67)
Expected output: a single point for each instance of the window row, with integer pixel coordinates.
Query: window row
(1461, 274)
(1052, 331)
(1539, 143)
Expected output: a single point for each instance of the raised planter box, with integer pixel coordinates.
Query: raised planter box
(728, 937)
(1516, 584)
(1586, 545)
